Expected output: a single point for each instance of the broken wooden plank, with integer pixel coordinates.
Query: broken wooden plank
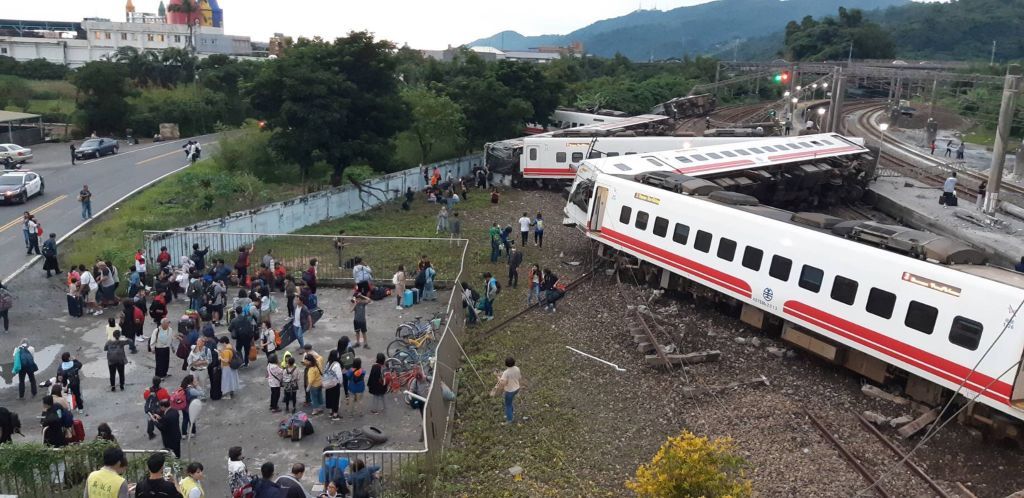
(645, 348)
(657, 360)
(875, 392)
(918, 424)
(761, 380)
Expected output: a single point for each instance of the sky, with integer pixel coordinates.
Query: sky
(422, 24)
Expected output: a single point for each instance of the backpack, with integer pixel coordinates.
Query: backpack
(28, 363)
(195, 289)
(71, 376)
(333, 470)
(152, 402)
(312, 302)
(330, 379)
(67, 420)
(211, 293)
(421, 278)
(347, 358)
(236, 360)
(277, 338)
(497, 287)
(290, 383)
(242, 484)
(179, 399)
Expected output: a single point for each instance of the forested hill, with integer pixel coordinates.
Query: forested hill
(709, 28)
(960, 29)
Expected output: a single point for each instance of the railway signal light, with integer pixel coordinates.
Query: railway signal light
(782, 77)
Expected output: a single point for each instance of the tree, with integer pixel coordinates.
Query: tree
(142, 66)
(435, 119)
(526, 81)
(688, 465)
(193, 15)
(336, 102)
(103, 91)
(14, 91)
(830, 38)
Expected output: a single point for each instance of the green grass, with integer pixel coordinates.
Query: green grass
(48, 106)
(52, 89)
(981, 136)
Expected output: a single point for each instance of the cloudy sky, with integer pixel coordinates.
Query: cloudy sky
(422, 24)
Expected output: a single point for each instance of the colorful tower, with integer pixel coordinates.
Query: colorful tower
(218, 14)
(129, 9)
(162, 11)
(176, 17)
(206, 17)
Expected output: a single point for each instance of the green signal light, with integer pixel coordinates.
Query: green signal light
(778, 78)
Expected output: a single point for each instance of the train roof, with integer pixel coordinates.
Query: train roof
(724, 158)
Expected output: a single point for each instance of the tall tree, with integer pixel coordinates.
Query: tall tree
(103, 91)
(193, 16)
(436, 119)
(336, 102)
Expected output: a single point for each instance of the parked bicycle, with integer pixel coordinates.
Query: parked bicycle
(418, 327)
(422, 342)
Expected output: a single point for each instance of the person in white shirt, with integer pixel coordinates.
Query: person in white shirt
(524, 228)
(509, 383)
(949, 191)
(86, 279)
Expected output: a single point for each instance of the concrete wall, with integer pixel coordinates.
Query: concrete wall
(294, 214)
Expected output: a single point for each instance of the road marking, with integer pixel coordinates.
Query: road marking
(15, 221)
(161, 156)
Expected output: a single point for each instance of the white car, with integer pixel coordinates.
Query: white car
(19, 186)
(14, 151)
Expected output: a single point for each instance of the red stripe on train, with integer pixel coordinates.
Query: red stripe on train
(706, 167)
(549, 171)
(936, 365)
(809, 153)
(706, 273)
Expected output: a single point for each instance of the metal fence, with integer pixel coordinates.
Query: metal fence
(62, 472)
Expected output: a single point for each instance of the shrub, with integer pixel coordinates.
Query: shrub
(692, 466)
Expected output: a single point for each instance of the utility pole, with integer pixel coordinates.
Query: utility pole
(838, 100)
(718, 72)
(849, 58)
(931, 106)
(995, 173)
(992, 60)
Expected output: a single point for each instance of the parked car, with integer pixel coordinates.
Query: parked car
(16, 152)
(19, 186)
(96, 148)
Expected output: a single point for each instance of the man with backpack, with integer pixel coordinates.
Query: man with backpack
(195, 292)
(25, 366)
(242, 330)
(491, 290)
(216, 297)
(167, 420)
(68, 373)
(153, 396)
(53, 424)
(50, 263)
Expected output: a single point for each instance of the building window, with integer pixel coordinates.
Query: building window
(810, 278)
(149, 37)
(124, 36)
(965, 333)
(726, 249)
(844, 290)
(559, 157)
(780, 268)
(703, 241)
(160, 38)
(3, 50)
(641, 220)
(752, 258)
(660, 226)
(921, 317)
(106, 36)
(625, 214)
(177, 38)
(681, 233)
(880, 302)
(135, 36)
(98, 35)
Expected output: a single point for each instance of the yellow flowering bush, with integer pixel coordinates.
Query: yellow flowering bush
(691, 466)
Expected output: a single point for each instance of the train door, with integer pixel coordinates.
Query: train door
(600, 205)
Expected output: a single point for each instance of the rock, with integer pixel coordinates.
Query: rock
(777, 352)
(515, 471)
(875, 392)
(739, 340)
(790, 353)
(898, 421)
(875, 418)
(756, 342)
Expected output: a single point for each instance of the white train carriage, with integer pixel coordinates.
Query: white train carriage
(855, 303)
(562, 119)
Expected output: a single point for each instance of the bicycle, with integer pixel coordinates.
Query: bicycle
(356, 439)
(417, 327)
(399, 375)
(410, 342)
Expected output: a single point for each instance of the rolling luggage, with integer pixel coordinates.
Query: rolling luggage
(415, 296)
(74, 305)
(407, 299)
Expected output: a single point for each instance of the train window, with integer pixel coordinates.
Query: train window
(594, 155)
(726, 249)
(683, 159)
(880, 302)
(631, 153)
(698, 157)
(921, 317)
(965, 333)
(625, 214)
(612, 154)
(681, 233)
(577, 157)
(844, 290)
(655, 161)
(752, 258)
(780, 147)
(810, 278)
(728, 154)
(826, 142)
(660, 226)
(780, 267)
(622, 167)
(641, 220)
(815, 142)
(804, 145)
(712, 155)
(533, 154)
(742, 152)
(755, 150)
(560, 157)
(703, 241)
(768, 148)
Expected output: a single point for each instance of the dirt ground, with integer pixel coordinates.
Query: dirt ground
(585, 427)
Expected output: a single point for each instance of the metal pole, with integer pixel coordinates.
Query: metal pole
(718, 71)
(881, 146)
(995, 175)
(839, 97)
(931, 107)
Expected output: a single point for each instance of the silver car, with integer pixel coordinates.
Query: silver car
(16, 152)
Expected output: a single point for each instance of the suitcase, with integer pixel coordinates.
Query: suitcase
(407, 299)
(78, 431)
(74, 305)
(316, 315)
(415, 296)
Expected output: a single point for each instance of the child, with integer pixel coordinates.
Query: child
(359, 302)
(495, 195)
(356, 378)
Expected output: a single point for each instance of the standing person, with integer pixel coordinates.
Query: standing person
(429, 294)
(463, 191)
(363, 276)
(960, 151)
(197, 151)
(339, 241)
(508, 383)
(6, 303)
(108, 481)
(238, 474)
(160, 344)
(216, 298)
(359, 302)
(268, 339)
(981, 194)
(538, 230)
(309, 276)
(167, 420)
(536, 279)
(199, 358)
(495, 235)
(69, 372)
(52, 422)
(229, 376)
(333, 376)
(490, 294)
(506, 239)
(25, 217)
(932, 147)
(90, 287)
(301, 321)
(153, 396)
(515, 258)
(949, 191)
(495, 195)
(399, 281)
(275, 378)
(361, 478)
(290, 290)
(242, 263)
(132, 320)
(290, 383)
(186, 393)
(33, 235)
(455, 226)
(442, 220)
(314, 384)
(524, 228)
(192, 485)
(242, 330)
(376, 386)
(85, 198)
(469, 300)
(199, 257)
(346, 356)
(116, 359)
(949, 148)
(155, 486)
(50, 253)
(292, 483)
(25, 366)
(72, 154)
(356, 379)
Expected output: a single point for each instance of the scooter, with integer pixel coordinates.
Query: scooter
(10, 163)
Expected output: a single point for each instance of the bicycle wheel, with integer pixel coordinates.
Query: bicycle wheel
(396, 365)
(358, 443)
(405, 330)
(395, 346)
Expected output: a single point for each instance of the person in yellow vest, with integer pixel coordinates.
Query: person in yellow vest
(108, 482)
(192, 486)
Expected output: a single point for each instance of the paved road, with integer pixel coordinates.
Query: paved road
(109, 178)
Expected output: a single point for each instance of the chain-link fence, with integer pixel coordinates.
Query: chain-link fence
(33, 471)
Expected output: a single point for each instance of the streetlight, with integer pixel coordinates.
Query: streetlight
(814, 90)
(821, 118)
(883, 127)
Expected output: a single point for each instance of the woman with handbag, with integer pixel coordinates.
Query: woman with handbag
(230, 362)
(199, 359)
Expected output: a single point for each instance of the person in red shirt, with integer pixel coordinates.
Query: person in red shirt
(279, 273)
(242, 264)
(161, 394)
(164, 258)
